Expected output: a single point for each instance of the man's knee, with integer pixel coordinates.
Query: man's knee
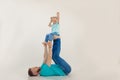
(68, 70)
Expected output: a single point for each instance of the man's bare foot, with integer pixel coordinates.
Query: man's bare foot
(49, 44)
(44, 44)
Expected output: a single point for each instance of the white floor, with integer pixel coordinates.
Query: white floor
(77, 75)
(112, 74)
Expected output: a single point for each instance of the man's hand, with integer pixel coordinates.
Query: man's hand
(56, 37)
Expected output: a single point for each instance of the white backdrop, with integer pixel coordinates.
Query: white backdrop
(89, 30)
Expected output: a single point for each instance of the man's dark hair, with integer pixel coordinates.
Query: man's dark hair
(30, 73)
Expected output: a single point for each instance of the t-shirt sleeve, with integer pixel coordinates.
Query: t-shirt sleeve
(46, 71)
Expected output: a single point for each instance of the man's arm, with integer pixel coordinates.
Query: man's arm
(58, 17)
(49, 55)
(45, 52)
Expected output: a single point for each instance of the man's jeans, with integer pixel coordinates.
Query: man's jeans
(56, 57)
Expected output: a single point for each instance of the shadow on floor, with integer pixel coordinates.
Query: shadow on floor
(48, 78)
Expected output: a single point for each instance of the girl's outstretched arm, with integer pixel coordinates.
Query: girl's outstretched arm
(58, 17)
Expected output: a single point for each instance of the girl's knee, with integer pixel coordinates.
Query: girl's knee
(47, 35)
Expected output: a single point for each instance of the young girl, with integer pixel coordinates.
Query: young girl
(54, 24)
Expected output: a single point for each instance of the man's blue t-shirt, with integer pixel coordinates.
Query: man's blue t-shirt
(53, 70)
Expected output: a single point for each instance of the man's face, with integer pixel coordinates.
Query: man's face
(35, 70)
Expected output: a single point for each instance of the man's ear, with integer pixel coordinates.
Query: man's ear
(37, 72)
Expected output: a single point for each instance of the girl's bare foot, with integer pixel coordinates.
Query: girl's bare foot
(49, 44)
(44, 44)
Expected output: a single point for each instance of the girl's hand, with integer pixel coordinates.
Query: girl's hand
(58, 16)
(58, 13)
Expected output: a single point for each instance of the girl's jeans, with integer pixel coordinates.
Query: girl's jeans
(49, 37)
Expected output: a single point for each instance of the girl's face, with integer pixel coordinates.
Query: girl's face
(54, 19)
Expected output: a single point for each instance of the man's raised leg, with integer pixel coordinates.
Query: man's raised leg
(56, 56)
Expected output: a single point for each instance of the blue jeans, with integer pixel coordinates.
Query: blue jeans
(49, 37)
(57, 59)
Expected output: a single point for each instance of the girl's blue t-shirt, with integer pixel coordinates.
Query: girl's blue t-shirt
(56, 28)
(53, 70)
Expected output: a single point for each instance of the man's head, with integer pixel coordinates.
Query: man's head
(34, 71)
(54, 19)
